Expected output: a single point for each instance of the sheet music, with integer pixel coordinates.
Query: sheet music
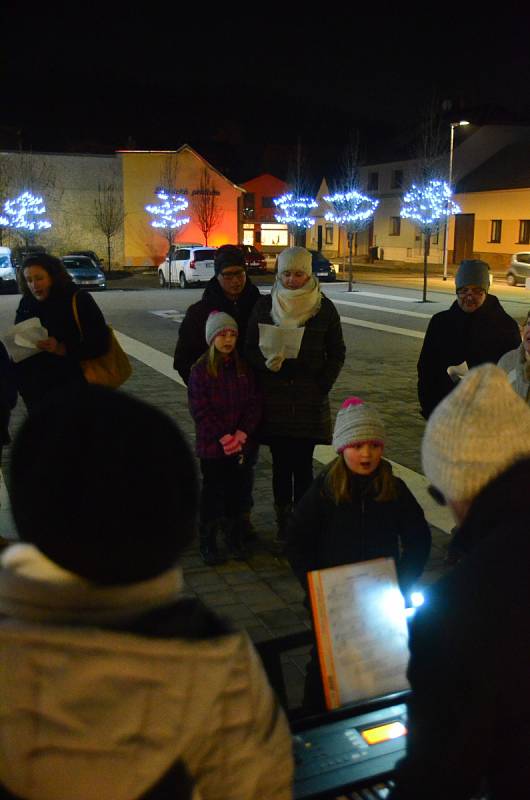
(276, 341)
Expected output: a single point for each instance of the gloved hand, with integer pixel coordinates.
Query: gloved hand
(230, 444)
(274, 363)
(240, 436)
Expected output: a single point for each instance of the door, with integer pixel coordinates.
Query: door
(464, 237)
(319, 239)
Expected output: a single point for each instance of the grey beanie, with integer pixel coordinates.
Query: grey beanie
(357, 421)
(217, 322)
(475, 434)
(473, 272)
(295, 258)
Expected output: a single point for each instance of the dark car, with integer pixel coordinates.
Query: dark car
(18, 254)
(322, 267)
(88, 254)
(255, 261)
(84, 272)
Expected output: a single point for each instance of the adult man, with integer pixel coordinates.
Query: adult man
(475, 330)
(469, 712)
(227, 291)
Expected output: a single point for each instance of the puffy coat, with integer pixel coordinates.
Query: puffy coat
(296, 399)
(44, 372)
(103, 689)
(454, 336)
(469, 712)
(191, 342)
(323, 534)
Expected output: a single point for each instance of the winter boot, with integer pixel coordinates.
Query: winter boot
(283, 516)
(234, 539)
(208, 543)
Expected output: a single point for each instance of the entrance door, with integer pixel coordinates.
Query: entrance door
(464, 237)
(319, 241)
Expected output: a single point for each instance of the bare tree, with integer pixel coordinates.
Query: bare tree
(169, 172)
(205, 204)
(109, 214)
(33, 173)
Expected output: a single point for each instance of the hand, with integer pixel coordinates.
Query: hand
(230, 445)
(51, 345)
(274, 363)
(240, 436)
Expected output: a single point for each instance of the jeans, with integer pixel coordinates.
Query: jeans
(292, 468)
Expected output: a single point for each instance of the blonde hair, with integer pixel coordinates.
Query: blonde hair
(337, 482)
(213, 358)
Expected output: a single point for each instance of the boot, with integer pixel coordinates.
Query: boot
(234, 539)
(283, 516)
(248, 530)
(208, 543)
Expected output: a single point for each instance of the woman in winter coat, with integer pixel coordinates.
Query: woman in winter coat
(517, 364)
(226, 407)
(296, 403)
(356, 510)
(48, 294)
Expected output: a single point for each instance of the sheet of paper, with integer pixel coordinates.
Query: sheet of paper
(21, 340)
(274, 340)
(361, 630)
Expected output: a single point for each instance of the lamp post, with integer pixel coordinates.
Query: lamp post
(453, 125)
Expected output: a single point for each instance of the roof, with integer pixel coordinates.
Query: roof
(509, 168)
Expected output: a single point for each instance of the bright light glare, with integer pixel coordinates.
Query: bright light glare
(392, 605)
(417, 599)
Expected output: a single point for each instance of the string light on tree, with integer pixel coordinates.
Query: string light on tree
(24, 212)
(295, 210)
(166, 215)
(353, 212)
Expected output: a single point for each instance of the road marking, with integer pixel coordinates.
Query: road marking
(378, 326)
(385, 309)
(158, 361)
(171, 314)
(381, 296)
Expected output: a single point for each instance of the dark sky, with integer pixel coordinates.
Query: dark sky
(244, 84)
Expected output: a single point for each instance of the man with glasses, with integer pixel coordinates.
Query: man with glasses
(475, 330)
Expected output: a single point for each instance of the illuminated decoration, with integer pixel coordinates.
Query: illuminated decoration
(417, 599)
(351, 210)
(21, 214)
(295, 210)
(428, 205)
(166, 215)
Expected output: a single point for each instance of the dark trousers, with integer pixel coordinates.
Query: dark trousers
(292, 468)
(224, 491)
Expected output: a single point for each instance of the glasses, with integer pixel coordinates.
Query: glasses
(436, 495)
(476, 291)
(232, 276)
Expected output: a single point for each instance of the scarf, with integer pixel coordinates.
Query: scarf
(291, 308)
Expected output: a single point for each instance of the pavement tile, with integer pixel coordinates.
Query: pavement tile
(277, 618)
(258, 633)
(242, 578)
(268, 604)
(238, 613)
(216, 598)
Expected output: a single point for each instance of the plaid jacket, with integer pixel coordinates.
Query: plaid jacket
(222, 405)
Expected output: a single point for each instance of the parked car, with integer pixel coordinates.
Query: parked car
(519, 269)
(255, 262)
(88, 254)
(18, 254)
(8, 275)
(84, 272)
(189, 264)
(322, 267)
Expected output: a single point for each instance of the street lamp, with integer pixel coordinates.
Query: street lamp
(453, 125)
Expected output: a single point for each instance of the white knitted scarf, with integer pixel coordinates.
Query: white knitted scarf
(291, 308)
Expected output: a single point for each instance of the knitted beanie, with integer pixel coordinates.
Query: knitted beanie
(295, 258)
(229, 255)
(357, 421)
(217, 322)
(475, 434)
(473, 272)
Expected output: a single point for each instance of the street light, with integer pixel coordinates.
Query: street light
(453, 125)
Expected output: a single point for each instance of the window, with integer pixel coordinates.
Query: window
(395, 226)
(329, 234)
(435, 237)
(248, 205)
(397, 179)
(524, 231)
(496, 230)
(267, 202)
(373, 181)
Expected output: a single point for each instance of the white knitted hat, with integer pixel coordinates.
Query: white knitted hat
(217, 322)
(475, 434)
(357, 421)
(295, 258)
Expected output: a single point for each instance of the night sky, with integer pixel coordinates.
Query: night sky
(245, 85)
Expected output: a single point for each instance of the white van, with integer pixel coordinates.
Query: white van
(189, 264)
(8, 278)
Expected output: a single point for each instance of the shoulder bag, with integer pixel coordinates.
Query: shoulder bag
(112, 368)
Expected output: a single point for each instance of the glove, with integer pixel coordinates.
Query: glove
(230, 445)
(274, 363)
(240, 436)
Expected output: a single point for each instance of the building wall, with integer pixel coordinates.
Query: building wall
(258, 225)
(147, 246)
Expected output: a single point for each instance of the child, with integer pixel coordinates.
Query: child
(226, 407)
(356, 510)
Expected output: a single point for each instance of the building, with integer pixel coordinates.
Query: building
(258, 225)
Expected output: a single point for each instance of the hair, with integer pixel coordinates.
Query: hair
(213, 358)
(104, 485)
(337, 482)
(52, 265)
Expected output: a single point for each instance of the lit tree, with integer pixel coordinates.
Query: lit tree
(205, 203)
(294, 212)
(24, 215)
(109, 214)
(353, 212)
(428, 205)
(167, 216)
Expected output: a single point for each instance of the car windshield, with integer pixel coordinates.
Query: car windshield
(4, 262)
(80, 263)
(204, 255)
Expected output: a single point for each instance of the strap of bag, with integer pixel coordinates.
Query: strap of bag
(76, 315)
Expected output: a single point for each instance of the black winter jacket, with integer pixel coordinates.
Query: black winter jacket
(323, 534)
(191, 342)
(469, 712)
(296, 398)
(454, 336)
(42, 373)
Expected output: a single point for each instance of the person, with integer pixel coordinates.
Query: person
(111, 673)
(48, 294)
(296, 390)
(516, 363)
(474, 330)
(356, 510)
(468, 720)
(8, 400)
(226, 407)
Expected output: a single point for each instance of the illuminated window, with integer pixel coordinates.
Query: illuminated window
(329, 234)
(274, 236)
(395, 226)
(524, 231)
(248, 237)
(496, 230)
